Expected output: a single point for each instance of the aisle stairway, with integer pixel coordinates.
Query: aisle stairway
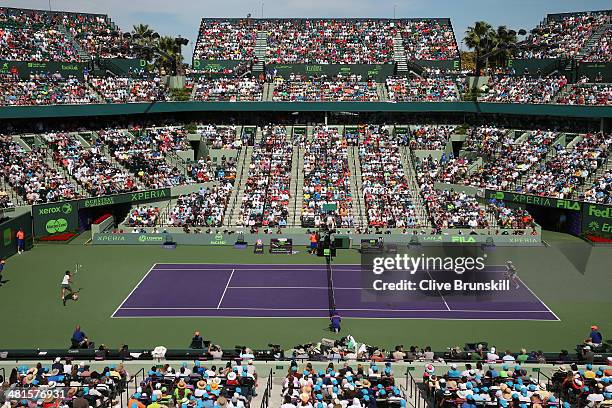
(261, 46)
(232, 213)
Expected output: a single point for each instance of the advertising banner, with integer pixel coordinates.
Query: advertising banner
(533, 200)
(597, 220)
(23, 69)
(378, 72)
(55, 218)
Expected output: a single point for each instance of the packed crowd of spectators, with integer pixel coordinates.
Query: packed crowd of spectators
(97, 35)
(429, 40)
(584, 93)
(316, 41)
(448, 208)
(32, 35)
(300, 88)
(143, 216)
(601, 51)
(220, 137)
(66, 383)
(265, 202)
(430, 137)
(563, 37)
(601, 190)
(90, 167)
(204, 208)
(388, 200)
(205, 170)
(569, 168)
(404, 89)
(44, 89)
(127, 90)
(522, 89)
(327, 180)
(510, 161)
(228, 89)
(510, 218)
(143, 152)
(487, 140)
(29, 174)
(500, 385)
(225, 40)
(224, 386)
(342, 386)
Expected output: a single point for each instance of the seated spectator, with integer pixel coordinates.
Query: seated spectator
(422, 89)
(128, 90)
(225, 40)
(228, 89)
(522, 89)
(300, 88)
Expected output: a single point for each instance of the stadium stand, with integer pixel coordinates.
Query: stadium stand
(299, 88)
(44, 89)
(564, 36)
(337, 41)
(265, 199)
(225, 40)
(228, 89)
(328, 198)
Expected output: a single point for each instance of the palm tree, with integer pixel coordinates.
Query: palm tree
(479, 38)
(170, 55)
(504, 43)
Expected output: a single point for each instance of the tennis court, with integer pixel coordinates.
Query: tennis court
(308, 291)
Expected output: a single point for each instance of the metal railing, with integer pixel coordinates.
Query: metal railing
(414, 394)
(265, 401)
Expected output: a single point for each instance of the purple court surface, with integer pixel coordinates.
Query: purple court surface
(291, 290)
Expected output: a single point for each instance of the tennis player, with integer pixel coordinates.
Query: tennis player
(511, 273)
(66, 288)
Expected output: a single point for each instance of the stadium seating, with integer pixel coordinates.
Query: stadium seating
(266, 197)
(299, 88)
(522, 89)
(90, 167)
(225, 40)
(388, 200)
(569, 168)
(429, 137)
(429, 40)
(422, 89)
(562, 37)
(326, 190)
(126, 90)
(228, 89)
(584, 93)
(315, 41)
(32, 176)
(43, 89)
(32, 35)
(143, 153)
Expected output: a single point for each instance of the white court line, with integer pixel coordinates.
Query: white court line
(539, 300)
(225, 290)
(133, 289)
(439, 293)
(240, 268)
(293, 287)
(478, 319)
(340, 309)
